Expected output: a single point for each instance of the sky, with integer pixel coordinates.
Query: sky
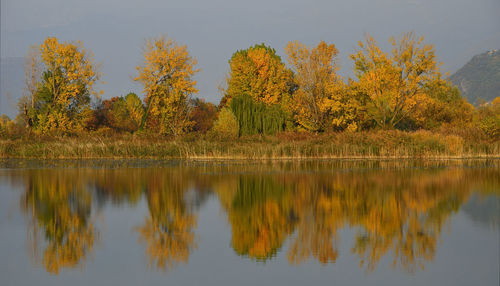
(115, 31)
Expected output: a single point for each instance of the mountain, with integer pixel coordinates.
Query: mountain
(479, 79)
(11, 84)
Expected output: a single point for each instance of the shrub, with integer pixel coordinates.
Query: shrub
(488, 119)
(226, 126)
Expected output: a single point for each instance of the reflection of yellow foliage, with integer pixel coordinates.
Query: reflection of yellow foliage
(319, 219)
(168, 245)
(60, 207)
(168, 230)
(260, 231)
(68, 253)
(395, 211)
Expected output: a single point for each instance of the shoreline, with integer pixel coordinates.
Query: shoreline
(392, 146)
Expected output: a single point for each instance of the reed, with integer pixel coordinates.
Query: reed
(374, 144)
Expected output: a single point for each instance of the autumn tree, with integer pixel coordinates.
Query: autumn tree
(62, 98)
(394, 83)
(135, 109)
(167, 75)
(226, 126)
(259, 72)
(443, 105)
(320, 102)
(488, 119)
(118, 113)
(10, 128)
(203, 115)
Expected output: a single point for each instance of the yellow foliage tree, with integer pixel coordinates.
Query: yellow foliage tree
(320, 102)
(488, 119)
(62, 100)
(260, 73)
(443, 104)
(393, 84)
(166, 74)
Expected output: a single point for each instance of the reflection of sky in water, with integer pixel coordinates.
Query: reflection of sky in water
(466, 250)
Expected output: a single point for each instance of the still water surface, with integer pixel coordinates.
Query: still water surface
(229, 223)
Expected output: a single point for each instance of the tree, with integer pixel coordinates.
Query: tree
(121, 114)
(62, 98)
(256, 117)
(9, 128)
(203, 115)
(393, 84)
(488, 119)
(135, 109)
(259, 72)
(443, 105)
(166, 74)
(320, 102)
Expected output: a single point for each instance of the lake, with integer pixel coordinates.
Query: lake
(147, 222)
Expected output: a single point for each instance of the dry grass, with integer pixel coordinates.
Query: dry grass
(380, 144)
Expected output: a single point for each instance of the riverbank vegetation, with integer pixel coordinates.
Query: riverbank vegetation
(397, 105)
(289, 145)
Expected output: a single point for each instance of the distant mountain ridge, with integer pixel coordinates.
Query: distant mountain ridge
(479, 79)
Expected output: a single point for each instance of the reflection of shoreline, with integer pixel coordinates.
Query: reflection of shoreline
(238, 166)
(397, 210)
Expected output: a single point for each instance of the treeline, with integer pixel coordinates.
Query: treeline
(402, 89)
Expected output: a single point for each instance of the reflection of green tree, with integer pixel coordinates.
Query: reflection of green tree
(60, 207)
(168, 230)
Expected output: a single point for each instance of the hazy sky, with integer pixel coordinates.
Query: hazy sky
(115, 30)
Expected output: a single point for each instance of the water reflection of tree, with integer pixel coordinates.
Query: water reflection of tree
(60, 208)
(59, 203)
(397, 212)
(319, 217)
(168, 230)
(260, 217)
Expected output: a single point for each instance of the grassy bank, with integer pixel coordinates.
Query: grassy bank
(381, 144)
